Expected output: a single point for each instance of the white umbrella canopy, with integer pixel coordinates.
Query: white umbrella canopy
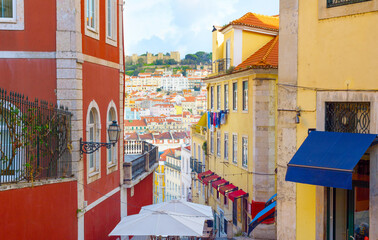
(181, 207)
(159, 223)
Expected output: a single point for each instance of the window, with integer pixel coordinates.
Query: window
(212, 142)
(218, 97)
(11, 15)
(92, 18)
(218, 143)
(234, 148)
(111, 22)
(199, 153)
(225, 145)
(112, 152)
(212, 97)
(245, 152)
(228, 54)
(194, 150)
(93, 136)
(226, 96)
(7, 9)
(11, 165)
(245, 95)
(335, 3)
(235, 96)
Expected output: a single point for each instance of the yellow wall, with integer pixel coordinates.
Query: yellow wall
(258, 40)
(336, 53)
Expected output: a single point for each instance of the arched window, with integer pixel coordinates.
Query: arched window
(94, 135)
(112, 152)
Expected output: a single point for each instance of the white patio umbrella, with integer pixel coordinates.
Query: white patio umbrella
(181, 207)
(159, 223)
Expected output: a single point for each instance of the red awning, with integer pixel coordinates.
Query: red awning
(219, 183)
(204, 174)
(237, 194)
(211, 178)
(227, 188)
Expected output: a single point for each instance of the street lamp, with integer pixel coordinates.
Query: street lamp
(91, 147)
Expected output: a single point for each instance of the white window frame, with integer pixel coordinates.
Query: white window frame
(93, 32)
(245, 96)
(234, 148)
(219, 143)
(111, 161)
(111, 14)
(225, 102)
(245, 151)
(212, 97)
(17, 20)
(218, 97)
(235, 96)
(94, 172)
(226, 146)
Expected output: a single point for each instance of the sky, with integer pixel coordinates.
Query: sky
(182, 25)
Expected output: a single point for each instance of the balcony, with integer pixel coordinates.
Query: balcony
(222, 65)
(35, 142)
(175, 167)
(140, 160)
(196, 165)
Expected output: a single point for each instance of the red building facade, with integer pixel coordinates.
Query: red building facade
(69, 53)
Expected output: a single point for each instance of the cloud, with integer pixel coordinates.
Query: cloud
(182, 25)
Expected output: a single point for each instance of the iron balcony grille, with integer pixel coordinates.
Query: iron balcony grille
(351, 117)
(222, 65)
(196, 165)
(35, 139)
(170, 165)
(335, 3)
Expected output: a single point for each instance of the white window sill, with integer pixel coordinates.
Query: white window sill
(112, 165)
(111, 41)
(93, 174)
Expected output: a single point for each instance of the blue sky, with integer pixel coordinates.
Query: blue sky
(182, 25)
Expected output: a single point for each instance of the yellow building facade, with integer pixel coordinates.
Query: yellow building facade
(328, 70)
(159, 183)
(241, 146)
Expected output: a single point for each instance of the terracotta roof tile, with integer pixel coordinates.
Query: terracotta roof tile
(265, 57)
(134, 123)
(147, 136)
(257, 21)
(131, 136)
(165, 135)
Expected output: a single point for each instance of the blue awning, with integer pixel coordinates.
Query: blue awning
(328, 158)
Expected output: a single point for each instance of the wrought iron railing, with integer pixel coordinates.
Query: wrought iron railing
(222, 65)
(352, 117)
(196, 165)
(170, 165)
(145, 157)
(35, 139)
(335, 3)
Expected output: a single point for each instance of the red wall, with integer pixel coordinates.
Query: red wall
(39, 29)
(99, 48)
(41, 212)
(102, 219)
(102, 85)
(36, 78)
(143, 195)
